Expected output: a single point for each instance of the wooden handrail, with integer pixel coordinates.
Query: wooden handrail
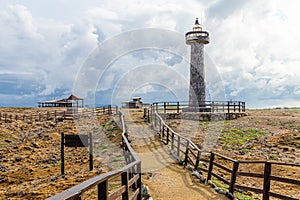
(234, 172)
(47, 115)
(101, 181)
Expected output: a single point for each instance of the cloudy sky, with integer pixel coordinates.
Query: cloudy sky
(254, 47)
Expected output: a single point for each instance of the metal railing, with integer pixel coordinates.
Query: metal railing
(130, 176)
(206, 106)
(212, 163)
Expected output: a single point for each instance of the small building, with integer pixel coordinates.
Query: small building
(71, 101)
(134, 103)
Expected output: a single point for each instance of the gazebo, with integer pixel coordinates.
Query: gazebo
(71, 101)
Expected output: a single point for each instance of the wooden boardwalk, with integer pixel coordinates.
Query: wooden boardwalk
(166, 179)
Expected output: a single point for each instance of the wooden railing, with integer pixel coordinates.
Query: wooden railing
(206, 106)
(213, 164)
(129, 175)
(57, 114)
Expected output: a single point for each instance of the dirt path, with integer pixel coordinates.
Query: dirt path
(165, 179)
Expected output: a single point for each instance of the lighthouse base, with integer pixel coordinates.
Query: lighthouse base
(197, 109)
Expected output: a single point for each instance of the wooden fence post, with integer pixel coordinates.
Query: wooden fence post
(165, 107)
(155, 119)
(62, 154)
(103, 190)
(91, 151)
(139, 181)
(168, 134)
(210, 168)
(228, 107)
(233, 176)
(124, 181)
(177, 106)
(178, 147)
(172, 144)
(266, 187)
(197, 160)
(186, 152)
(163, 132)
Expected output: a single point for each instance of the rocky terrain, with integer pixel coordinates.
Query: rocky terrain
(272, 135)
(30, 162)
(30, 150)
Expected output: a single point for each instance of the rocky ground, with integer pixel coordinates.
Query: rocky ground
(30, 150)
(30, 162)
(272, 135)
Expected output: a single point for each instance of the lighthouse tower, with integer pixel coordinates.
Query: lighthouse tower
(197, 39)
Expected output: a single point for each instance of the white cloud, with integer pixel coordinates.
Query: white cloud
(255, 44)
(256, 48)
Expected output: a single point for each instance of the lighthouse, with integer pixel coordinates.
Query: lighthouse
(197, 39)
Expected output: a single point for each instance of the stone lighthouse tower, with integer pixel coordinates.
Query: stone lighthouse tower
(197, 39)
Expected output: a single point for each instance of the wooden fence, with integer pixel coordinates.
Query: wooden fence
(57, 114)
(206, 106)
(130, 175)
(187, 152)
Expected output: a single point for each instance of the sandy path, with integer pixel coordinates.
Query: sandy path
(165, 179)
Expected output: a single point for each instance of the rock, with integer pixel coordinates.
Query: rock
(213, 185)
(189, 168)
(99, 171)
(3, 168)
(3, 178)
(222, 192)
(285, 149)
(229, 195)
(195, 173)
(180, 162)
(145, 191)
(27, 148)
(35, 145)
(217, 189)
(18, 158)
(202, 180)
(54, 178)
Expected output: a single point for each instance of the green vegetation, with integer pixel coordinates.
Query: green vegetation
(104, 145)
(220, 185)
(242, 196)
(105, 126)
(294, 127)
(113, 186)
(119, 158)
(238, 195)
(55, 164)
(274, 156)
(108, 128)
(235, 138)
